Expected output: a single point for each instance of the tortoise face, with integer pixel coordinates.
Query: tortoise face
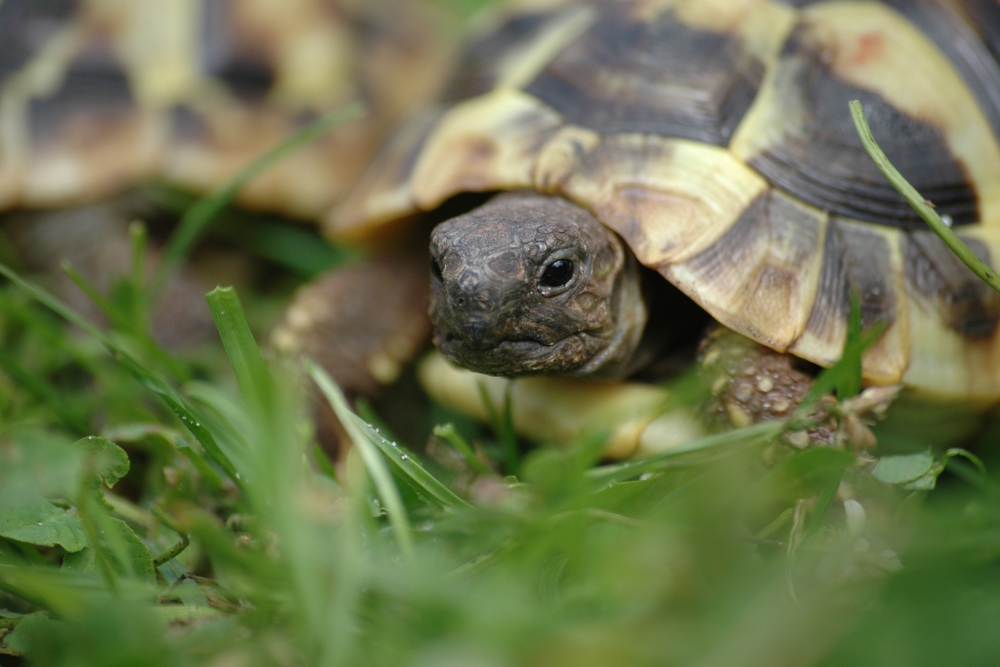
(528, 284)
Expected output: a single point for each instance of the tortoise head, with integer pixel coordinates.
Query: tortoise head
(528, 284)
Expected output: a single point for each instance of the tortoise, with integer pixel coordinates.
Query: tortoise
(589, 154)
(98, 97)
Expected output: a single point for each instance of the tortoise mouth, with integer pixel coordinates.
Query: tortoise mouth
(524, 356)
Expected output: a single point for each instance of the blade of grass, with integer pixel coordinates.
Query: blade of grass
(178, 548)
(849, 384)
(184, 413)
(980, 467)
(297, 248)
(409, 466)
(450, 434)
(147, 379)
(66, 593)
(244, 355)
(503, 426)
(323, 463)
(300, 250)
(125, 320)
(139, 237)
(370, 455)
(844, 376)
(41, 388)
(919, 204)
(56, 306)
(678, 456)
(201, 214)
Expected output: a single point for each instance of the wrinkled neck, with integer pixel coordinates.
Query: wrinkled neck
(618, 358)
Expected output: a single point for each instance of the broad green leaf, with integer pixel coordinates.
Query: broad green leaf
(39, 464)
(902, 469)
(61, 591)
(924, 483)
(186, 590)
(140, 563)
(11, 554)
(28, 629)
(111, 632)
(156, 437)
(106, 459)
(32, 519)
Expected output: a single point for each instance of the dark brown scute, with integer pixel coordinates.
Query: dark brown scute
(249, 79)
(25, 26)
(984, 17)
(394, 163)
(738, 246)
(477, 74)
(186, 124)
(231, 57)
(768, 219)
(855, 261)
(95, 87)
(823, 163)
(958, 41)
(966, 303)
(656, 76)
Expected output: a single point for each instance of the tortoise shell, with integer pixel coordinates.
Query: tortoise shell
(99, 95)
(714, 136)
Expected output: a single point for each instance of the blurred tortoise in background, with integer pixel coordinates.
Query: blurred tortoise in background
(99, 96)
(707, 142)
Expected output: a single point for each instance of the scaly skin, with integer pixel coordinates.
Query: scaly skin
(495, 311)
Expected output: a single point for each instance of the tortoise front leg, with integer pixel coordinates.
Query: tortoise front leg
(750, 384)
(363, 323)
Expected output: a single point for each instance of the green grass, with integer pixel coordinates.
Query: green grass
(211, 532)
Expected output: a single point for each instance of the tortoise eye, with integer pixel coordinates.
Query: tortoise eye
(558, 273)
(436, 269)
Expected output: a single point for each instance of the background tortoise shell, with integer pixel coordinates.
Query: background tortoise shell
(99, 95)
(714, 136)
